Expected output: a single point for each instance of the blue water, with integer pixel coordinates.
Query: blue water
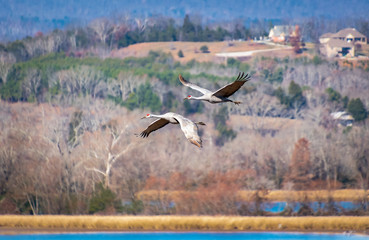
(277, 207)
(180, 236)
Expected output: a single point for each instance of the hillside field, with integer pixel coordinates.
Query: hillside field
(191, 50)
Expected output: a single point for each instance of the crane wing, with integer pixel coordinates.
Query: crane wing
(231, 88)
(193, 86)
(154, 126)
(190, 130)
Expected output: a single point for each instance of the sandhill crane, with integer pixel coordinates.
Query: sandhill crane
(221, 95)
(188, 127)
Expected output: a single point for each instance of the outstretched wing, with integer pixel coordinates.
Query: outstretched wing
(231, 88)
(154, 126)
(190, 130)
(193, 86)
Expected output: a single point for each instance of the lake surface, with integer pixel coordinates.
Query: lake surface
(340, 206)
(180, 236)
(277, 207)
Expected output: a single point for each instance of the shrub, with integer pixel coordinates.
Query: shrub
(232, 62)
(101, 199)
(135, 207)
(317, 60)
(204, 49)
(277, 76)
(333, 95)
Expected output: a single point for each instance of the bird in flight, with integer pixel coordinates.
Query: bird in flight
(188, 127)
(221, 95)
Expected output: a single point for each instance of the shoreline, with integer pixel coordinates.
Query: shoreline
(17, 231)
(58, 224)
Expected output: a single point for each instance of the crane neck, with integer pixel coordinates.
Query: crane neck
(156, 116)
(197, 98)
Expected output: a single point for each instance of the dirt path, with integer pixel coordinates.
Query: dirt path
(250, 53)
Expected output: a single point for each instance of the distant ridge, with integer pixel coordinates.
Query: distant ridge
(19, 18)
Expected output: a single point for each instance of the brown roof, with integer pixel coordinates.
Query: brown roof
(344, 32)
(339, 43)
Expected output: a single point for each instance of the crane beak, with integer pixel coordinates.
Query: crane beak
(185, 98)
(143, 117)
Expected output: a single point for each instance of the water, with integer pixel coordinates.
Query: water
(276, 207)
(180, 236)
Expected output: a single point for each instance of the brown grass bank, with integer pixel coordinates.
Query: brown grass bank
(62, 223)
(273, 195)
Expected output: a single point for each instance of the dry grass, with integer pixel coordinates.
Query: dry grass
(275, 195)
(191, 50)
(183, 223)
(318, 195)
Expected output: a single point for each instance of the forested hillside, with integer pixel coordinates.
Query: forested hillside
(21, 18)
(69, 114)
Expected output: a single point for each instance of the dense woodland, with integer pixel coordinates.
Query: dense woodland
(21, 18)
(69, 115)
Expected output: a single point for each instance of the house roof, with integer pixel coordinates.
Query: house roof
(282, 29)
(341, 116)
(347, 31)
(326, 35)
(339, 43)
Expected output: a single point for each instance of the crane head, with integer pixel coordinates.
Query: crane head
(147, 116)
(188, 97)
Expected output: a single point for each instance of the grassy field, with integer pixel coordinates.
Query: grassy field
(275, 195)
(61, 223)
(191, 50)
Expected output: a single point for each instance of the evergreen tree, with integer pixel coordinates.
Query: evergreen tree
(225, 133)
(282, 97)
(145, 97)
(297, 100)
(345, 101)
(188, 29)
(357, 109)
(333, 95)
(294, 90)
(194, 107)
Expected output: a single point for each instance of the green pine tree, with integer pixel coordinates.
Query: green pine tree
(357, 109)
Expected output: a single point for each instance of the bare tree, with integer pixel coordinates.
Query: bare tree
(6, 62)
(83, 80)
(32, 84)
(127, 84)
(358, 140)
(55, 42)
(102, 27)
(107, 145)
